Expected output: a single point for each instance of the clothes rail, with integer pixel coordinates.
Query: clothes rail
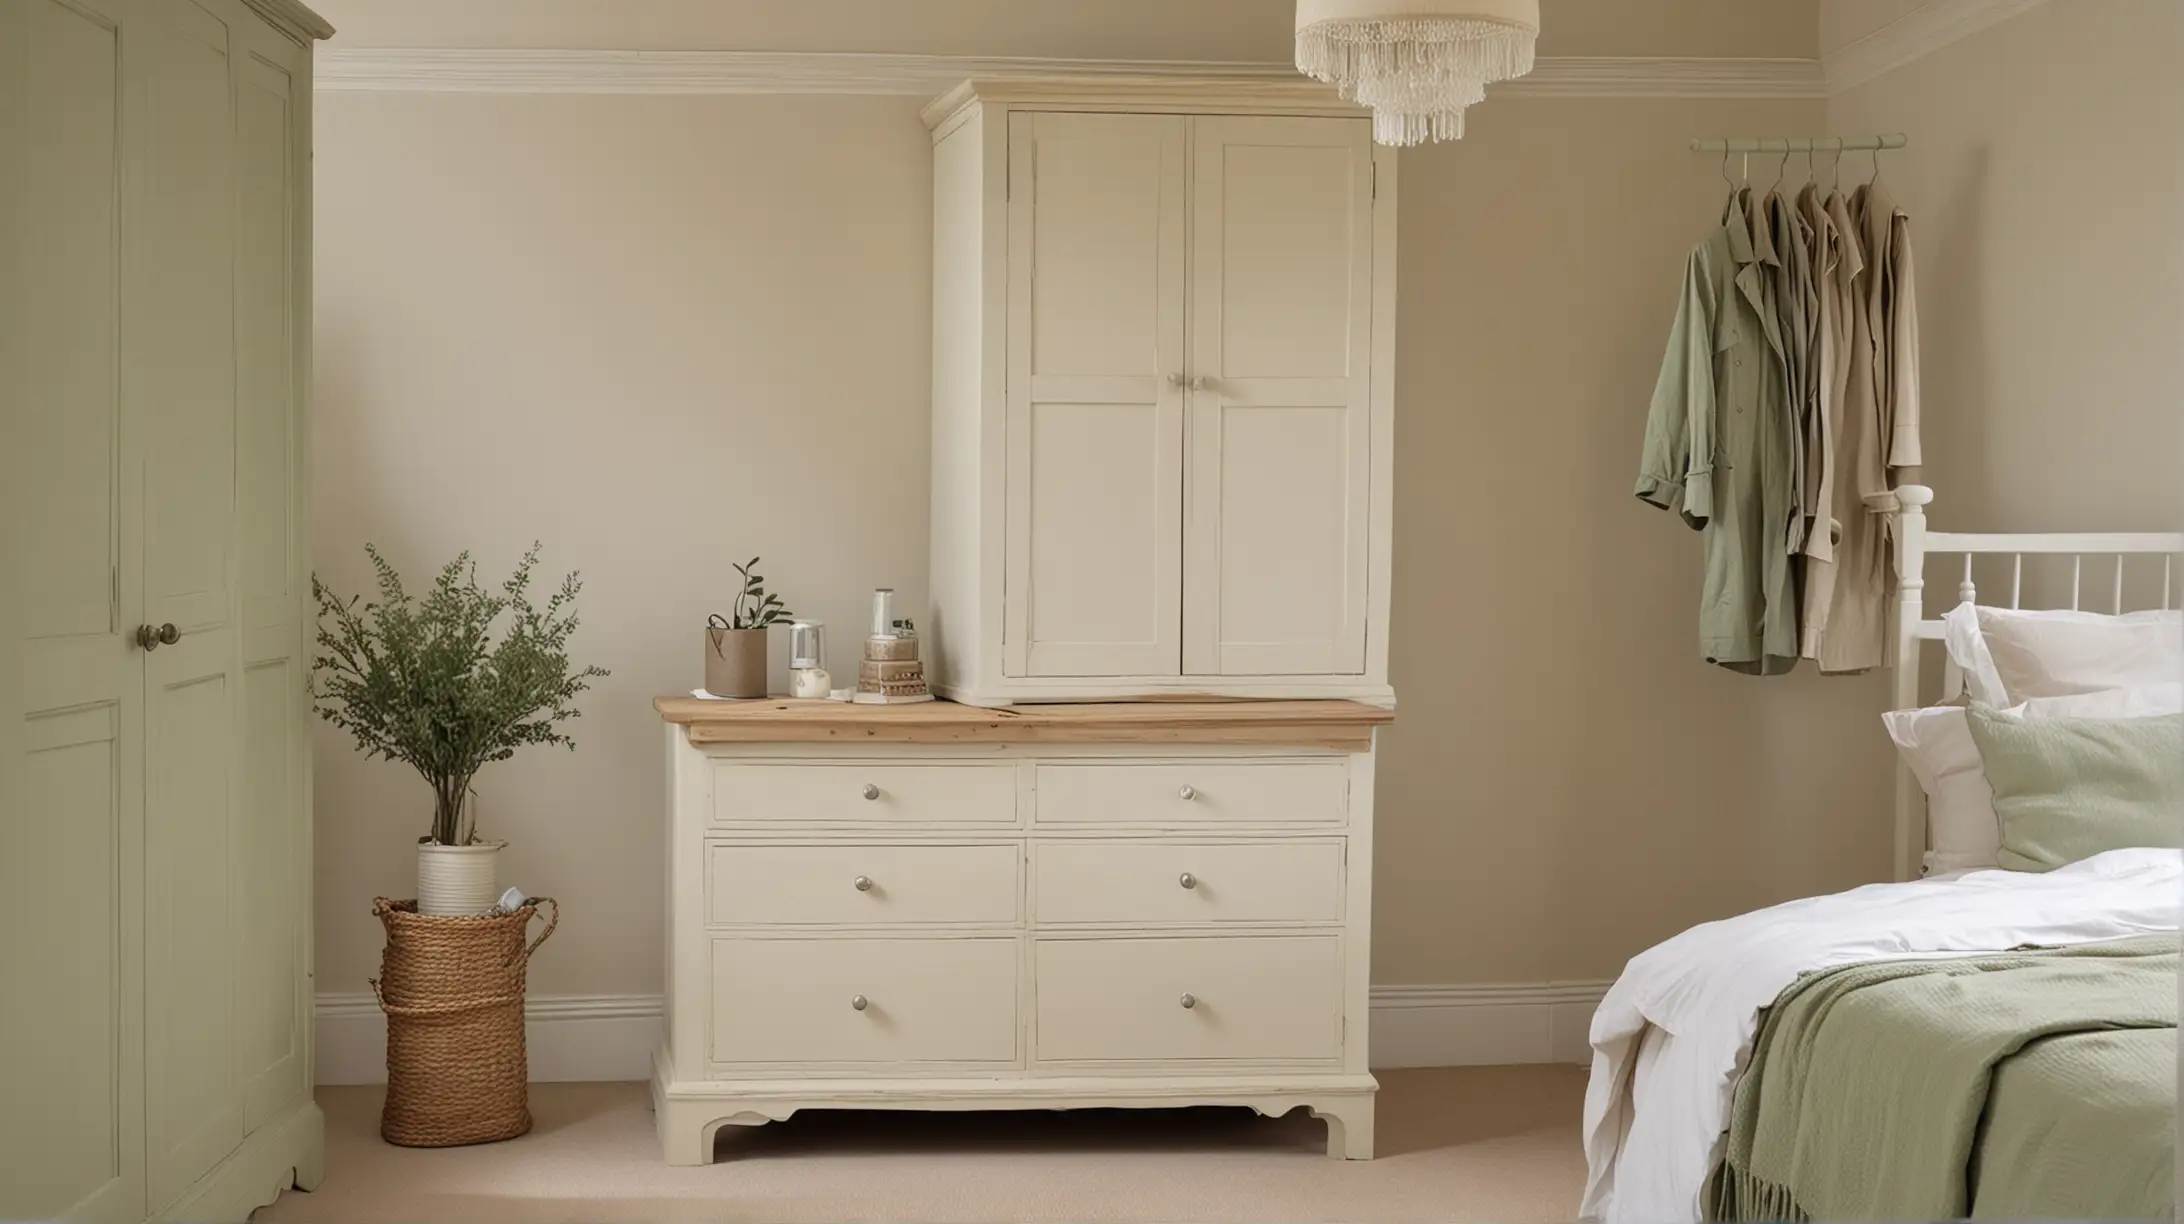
(1798, 144)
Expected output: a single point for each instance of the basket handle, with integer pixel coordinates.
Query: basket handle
(553, 919)
(440, 1009)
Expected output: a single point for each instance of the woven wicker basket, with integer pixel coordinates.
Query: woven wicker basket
(452, 989)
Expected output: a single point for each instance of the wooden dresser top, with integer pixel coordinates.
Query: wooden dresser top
(1342, 725)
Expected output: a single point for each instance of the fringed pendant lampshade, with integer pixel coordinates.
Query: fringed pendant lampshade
(1415, 63)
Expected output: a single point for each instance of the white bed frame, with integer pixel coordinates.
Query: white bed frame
(1914, 544)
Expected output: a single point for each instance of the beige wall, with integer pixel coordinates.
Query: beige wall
(658, 334)
(1566, 783)
(664, 333)
(2044, 182)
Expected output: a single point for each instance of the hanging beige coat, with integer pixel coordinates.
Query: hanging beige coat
(1879, 433)
(1838, 264)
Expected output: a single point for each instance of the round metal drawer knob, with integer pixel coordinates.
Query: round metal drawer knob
(864, 883)
(1190, 1001)
(1187, 880)
(871, 791)
(1188, 792)
(859, 1002)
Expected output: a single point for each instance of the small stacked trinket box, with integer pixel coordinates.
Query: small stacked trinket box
(890, 672)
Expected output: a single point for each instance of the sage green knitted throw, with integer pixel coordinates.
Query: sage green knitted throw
(2011, 1085)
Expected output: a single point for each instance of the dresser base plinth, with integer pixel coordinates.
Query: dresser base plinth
(691, 1113)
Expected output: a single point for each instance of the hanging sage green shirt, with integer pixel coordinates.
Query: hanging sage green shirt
(1721, 444)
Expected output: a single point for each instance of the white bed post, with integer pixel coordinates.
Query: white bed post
(1911, 503)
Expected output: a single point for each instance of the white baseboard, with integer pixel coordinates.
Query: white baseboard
(1484, 1025)
(566, 1037)
(611, 1037)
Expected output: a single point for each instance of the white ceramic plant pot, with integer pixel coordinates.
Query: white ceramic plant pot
(457, 880)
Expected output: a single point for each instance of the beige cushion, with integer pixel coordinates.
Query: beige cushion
(1936, 742)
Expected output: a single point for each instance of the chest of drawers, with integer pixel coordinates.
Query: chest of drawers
(939, 907)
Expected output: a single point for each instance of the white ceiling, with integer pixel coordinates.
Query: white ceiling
(1237, 30)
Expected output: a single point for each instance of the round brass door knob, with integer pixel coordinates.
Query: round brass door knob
(152, 637)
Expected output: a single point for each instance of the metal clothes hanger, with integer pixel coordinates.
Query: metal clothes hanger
(1782, 170)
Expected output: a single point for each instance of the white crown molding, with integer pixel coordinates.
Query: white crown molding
(1666, 77)
(1914, 36)
(295, 18)
(611, 1037)
(441, 70)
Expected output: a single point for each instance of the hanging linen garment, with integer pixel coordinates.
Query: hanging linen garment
(1720, 443)
(1880, 432)
(1796, 309)
(1838, 268)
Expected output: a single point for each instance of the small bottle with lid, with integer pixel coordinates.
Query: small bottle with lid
(807, 659)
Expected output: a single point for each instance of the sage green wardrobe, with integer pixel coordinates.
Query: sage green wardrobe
(155, 814)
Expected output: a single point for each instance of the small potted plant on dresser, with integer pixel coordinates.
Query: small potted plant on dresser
(735, 644)
(423, 681)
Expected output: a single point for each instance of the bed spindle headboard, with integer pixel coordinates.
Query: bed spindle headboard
(1915, 544)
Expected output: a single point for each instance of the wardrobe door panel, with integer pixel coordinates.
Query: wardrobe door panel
(194, 1106)
(1280, 423)
(71, 1027)
(183, 292)
(1095, 424)
(269, 851)
(180, 396)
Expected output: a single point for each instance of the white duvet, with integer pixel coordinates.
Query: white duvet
(1674, 1031)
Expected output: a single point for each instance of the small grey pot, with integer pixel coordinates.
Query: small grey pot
(735, 662)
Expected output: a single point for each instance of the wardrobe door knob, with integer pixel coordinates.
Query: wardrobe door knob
(1189, 1001)
(1187, 880)
(864, 883)
(871, 791)
(858, 1002)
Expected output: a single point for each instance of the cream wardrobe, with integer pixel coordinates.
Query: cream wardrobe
(1164, 323)
(155, 934)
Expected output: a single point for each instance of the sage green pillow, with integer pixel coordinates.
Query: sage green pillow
(2067, 789)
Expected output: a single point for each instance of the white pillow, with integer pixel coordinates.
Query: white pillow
(2009, 655)
(1936, 743)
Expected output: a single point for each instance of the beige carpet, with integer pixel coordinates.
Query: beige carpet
(1482, 1143)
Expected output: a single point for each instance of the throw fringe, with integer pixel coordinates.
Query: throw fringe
(1737, 1195)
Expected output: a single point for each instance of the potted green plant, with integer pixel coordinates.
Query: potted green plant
(735, 644)
(447, 683)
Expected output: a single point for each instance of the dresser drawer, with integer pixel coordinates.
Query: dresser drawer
(1123, 792)
(954, 793)
(924, 1000)
(1250, 998)
(1164, 882)
(847, 885)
